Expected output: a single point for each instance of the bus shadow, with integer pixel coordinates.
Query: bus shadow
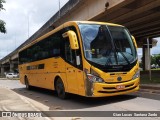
(50, 99)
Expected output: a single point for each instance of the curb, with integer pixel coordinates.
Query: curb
(9, 103)
(153, 87)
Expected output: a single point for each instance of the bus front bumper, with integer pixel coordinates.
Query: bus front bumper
(105, 89)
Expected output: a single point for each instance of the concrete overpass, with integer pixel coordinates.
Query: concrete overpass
(141, 17)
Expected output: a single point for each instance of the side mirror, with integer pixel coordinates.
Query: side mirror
(72, 39)
(134, 40)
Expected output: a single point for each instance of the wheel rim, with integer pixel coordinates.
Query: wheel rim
(26, 83)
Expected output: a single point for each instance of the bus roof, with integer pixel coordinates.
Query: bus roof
(65, 25)
(95, 22)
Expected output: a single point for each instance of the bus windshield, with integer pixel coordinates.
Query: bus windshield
(107, 45)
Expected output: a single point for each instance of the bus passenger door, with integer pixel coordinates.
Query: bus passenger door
(71, 70)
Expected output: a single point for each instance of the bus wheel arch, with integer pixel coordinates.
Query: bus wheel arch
(60, 88)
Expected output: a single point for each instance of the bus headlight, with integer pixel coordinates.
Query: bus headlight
(136, 75)
(94, 78)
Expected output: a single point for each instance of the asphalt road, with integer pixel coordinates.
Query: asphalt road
(47, 100)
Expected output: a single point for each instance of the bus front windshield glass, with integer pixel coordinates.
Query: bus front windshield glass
(107, 45)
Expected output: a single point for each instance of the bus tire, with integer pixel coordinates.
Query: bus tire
(28, 87)
(60, 89)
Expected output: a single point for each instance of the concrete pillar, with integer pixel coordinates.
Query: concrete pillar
(2, 70)
(143, 58)
(146, 56)
(147, 59)
(11, 66)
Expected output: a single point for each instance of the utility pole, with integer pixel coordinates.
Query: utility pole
(15, 41)
(149, 60)
(28, 25)
(59, 8)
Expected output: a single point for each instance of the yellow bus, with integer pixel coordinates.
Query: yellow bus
(92, 59)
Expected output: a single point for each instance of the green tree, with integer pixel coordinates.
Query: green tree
(2, 23)
(158, 59)
(153, 60)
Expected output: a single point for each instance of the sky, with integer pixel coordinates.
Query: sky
(20, 14)
(154, 50)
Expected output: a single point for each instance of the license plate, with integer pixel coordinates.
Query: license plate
(120, 87)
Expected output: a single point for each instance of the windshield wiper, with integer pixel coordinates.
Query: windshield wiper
(108, 56)
(107, 34)
(118, 50)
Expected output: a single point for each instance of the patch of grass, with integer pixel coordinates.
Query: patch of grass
(155, 69)
(14, 79)
(155, 77)
(4, 78)
(146, 79)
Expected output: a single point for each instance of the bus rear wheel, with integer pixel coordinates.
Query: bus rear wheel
(60, 89)
(27, 84)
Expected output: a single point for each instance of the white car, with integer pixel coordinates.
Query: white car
(11, 75)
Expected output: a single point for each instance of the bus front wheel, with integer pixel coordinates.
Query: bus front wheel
(60, 89)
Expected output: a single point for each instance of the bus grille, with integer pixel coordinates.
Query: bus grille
(116, 91)
(118, 82)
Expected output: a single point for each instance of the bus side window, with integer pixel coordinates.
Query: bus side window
(56, 52)
(69, 54)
